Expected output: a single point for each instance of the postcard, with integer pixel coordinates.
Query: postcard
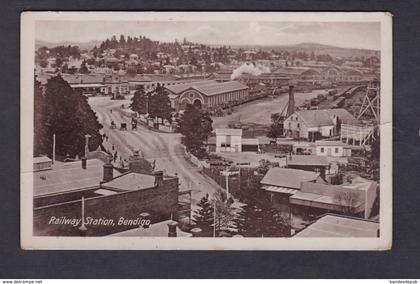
(206, 130)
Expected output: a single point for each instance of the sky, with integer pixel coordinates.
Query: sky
(364, 35)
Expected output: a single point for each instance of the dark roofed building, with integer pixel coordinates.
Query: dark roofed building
(208, 93)
(312, 163)
(288, 181)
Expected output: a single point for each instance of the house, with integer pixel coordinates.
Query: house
(228, 140)
(311, 163)
(95, 190)
(332, 149)
(338, 226)
(281, 183)
(314, 124)
(354, 199)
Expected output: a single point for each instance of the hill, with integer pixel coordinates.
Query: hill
(318, 48)
(334, 51)
(82, 45)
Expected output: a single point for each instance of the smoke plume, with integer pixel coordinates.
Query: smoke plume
(249, 68)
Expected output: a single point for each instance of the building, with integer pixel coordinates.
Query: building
(281, 183)
(42, 163)
(63, 194)
(338, 226)
(92, 84)
(267, 79)
(207, 94)
(311, 163)
(353, 199)
(228, 140)
(315, 124)
(332, 149)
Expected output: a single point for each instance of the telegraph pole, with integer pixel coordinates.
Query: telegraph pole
(53, 154)
(87, 136)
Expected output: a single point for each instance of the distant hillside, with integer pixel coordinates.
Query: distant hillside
(82, 45)
(332, 50)
(317, 48)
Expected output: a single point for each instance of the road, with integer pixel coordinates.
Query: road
(164, 148)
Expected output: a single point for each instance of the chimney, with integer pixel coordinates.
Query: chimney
(145, 216)
(196, 232)
(84, 163)
(108, 172)
(172, 229)
(291, 104)
(158, 178)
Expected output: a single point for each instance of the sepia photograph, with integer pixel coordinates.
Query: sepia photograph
(206, 130)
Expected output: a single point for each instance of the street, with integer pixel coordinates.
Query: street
(164, 148)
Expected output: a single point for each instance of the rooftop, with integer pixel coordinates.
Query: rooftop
(340, 226)
(208, 87)
(290, 178)
(307, 160)
(131, 181)
(179, 88)
(69, 176)
(229, 131)
(332, 197)
(324, 117)
(220, 88)
(42, 159)
(329, 143)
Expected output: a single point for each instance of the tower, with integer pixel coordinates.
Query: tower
(291, 103)
(371, 101)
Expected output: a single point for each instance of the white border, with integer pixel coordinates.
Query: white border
(28, 241)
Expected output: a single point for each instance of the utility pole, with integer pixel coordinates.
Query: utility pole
(87, 136)
(82, 227)
(214, 220)
(227, 186)
(53, 154)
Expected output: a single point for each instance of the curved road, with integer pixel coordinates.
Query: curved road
(164, 148)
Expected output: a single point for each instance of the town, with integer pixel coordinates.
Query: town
(206, 141)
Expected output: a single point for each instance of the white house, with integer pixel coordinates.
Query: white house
(228, 140)
(314, 124)
(332, 149)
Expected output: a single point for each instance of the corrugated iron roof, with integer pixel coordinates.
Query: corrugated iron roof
(290, 178)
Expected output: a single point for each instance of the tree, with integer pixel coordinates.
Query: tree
(204, 217)
(348, 201)
(65, 68)
(139, 100)
(195, 126)
(40, 126)
(83, 68)
(249, 221)
(43, 63)
(276, 128)
(275, 224)
(224, 213)
(160, 104)
(67, 114)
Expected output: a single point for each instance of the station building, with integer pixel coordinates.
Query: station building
(206, 94)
